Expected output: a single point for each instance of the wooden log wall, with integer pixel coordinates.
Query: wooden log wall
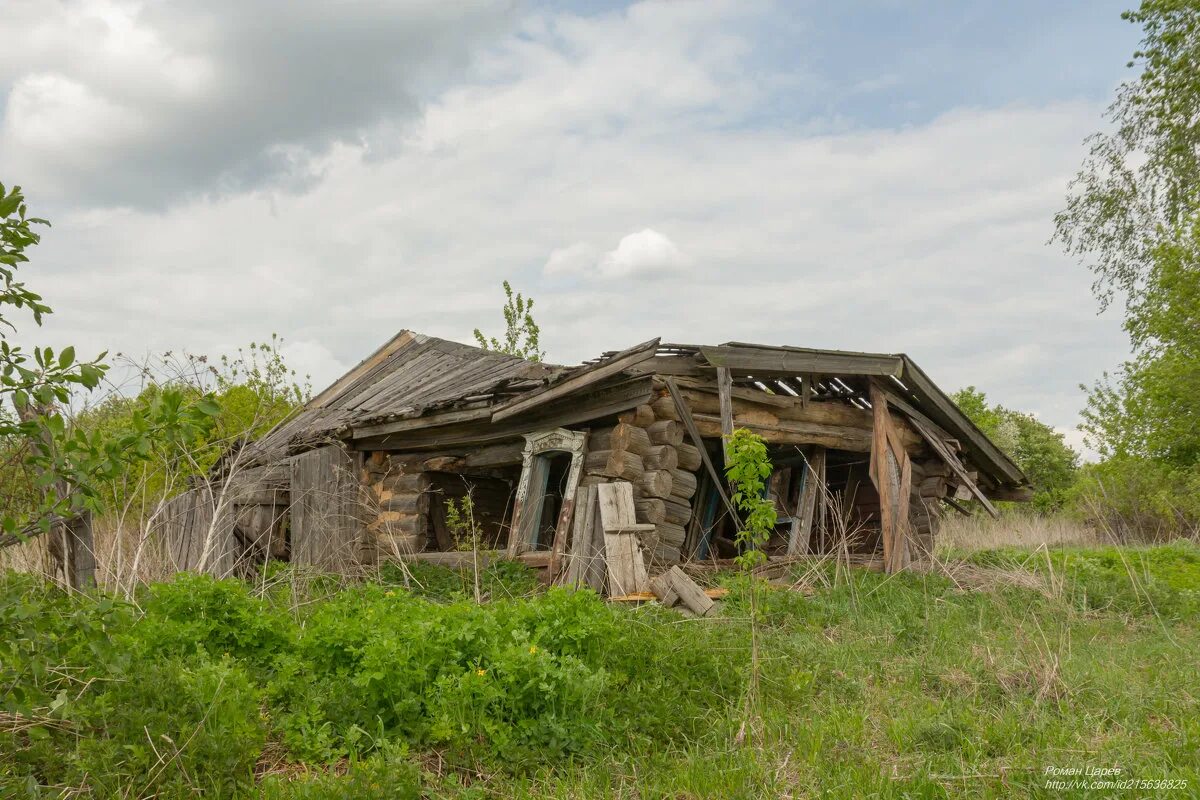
(646, 447)
(397, 503)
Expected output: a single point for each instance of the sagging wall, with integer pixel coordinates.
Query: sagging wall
(646, 448)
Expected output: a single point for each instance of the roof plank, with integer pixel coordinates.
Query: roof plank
(576, 380)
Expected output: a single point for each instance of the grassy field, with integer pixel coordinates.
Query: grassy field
(973, 682)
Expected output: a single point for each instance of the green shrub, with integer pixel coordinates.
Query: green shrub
(199, 614)
(173, 727)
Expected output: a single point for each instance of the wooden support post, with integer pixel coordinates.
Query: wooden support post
(725, 395)
(79, 561)
(807, 502)
(891, 473)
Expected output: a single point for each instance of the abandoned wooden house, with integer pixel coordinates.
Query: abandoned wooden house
(867, 453)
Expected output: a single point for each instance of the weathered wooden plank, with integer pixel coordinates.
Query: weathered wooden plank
(327, 524)
(689, 423)
(724, 387)
(689, 592)
(576, 381)
(892, 476)
(956, 467)
(812, 486)
(981, 449)
(767, 361)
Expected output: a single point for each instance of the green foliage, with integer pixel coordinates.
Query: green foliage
(51, 468)
(883, 685)
(243, 396)
(1134, 210)
(460, 519)
(1038, 449)
(520, 331)
(1139, 181)
(879, 685)
(1151, 409)
(748, 469)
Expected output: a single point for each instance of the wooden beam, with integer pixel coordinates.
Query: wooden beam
(956, 466)
(983, 452)
(576, 380)
(891, 472)
(770, 361)
(420, 423)
(690, 424)
(724, 386)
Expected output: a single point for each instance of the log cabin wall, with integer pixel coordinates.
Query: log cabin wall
(397, 505)
(645, 447)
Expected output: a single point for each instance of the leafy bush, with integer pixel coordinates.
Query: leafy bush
(198, 614)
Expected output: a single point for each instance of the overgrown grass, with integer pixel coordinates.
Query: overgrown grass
(402, 687)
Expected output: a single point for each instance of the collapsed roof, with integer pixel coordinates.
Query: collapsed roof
(419, 391)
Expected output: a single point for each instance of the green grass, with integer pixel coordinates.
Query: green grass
(902, 686)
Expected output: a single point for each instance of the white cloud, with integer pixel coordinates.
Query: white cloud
(576, 259)
(214, 95)
(926, 238)
(644, 253)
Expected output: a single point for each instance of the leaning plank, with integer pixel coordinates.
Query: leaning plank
(955, 465)
(664, 590)
(626, 566)
(689, 423)
(690, 593)
(813, 484)
(577, 380)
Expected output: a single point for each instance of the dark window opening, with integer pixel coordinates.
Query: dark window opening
(492, 497)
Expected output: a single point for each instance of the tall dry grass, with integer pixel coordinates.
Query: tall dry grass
(127, 556)
(958, 534)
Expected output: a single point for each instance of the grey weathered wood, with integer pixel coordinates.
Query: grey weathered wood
(813, 485)
(769, 361)
(689, 592)
(655, 483)
(688, 456)
(689, 423)
(664, 590)
(622, 547)
(198, 538)
(530, 517)
(724, 389)
(576, 381)
(582, 551)
(81, 552)
(327, 511)
(981, 449)
(665, 431)
(956, 466)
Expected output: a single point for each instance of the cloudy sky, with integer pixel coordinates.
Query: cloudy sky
(878, 175)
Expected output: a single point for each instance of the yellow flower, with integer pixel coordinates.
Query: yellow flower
(532, 648)
(389, 593)
(481, 672)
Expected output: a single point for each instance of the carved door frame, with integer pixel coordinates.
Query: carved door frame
(526, 515)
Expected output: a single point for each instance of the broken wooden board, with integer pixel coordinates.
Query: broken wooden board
(622, 545)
